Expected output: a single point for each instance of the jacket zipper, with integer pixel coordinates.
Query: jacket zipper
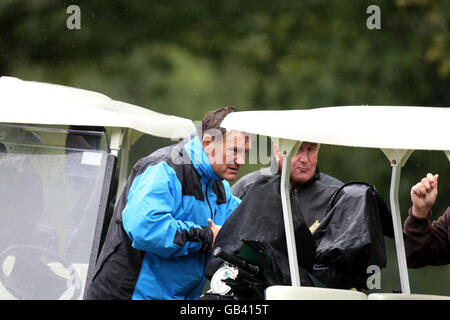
(207, 200)
(205, 258)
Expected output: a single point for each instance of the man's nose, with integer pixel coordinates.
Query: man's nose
(303, 157)
(240, 159)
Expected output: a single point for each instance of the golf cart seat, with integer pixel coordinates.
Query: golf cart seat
(401, 296)
(311, 293)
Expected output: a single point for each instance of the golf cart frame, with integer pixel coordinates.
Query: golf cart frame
(51, 114)
(398, 137)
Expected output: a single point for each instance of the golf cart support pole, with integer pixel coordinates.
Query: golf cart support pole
(120, 141)
(398, 158)
(288, 149)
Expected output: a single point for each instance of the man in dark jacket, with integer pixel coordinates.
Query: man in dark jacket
(260, 216)
(427, 243)
(314, 188)
(158, 241)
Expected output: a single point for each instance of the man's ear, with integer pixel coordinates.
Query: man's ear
(208, 143)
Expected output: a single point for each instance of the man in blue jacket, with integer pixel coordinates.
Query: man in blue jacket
(158, 241)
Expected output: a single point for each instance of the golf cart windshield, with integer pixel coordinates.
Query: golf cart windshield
(51, 184)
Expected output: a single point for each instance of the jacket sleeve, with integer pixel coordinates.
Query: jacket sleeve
(150, 216)
(427, 242)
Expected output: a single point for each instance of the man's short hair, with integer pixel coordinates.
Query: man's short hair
(213, 119)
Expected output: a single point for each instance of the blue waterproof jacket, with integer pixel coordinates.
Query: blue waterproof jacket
(158, 241)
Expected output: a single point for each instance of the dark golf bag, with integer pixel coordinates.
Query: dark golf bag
(336, 255)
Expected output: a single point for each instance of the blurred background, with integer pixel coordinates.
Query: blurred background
(189, 57)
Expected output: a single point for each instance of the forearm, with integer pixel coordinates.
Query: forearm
(163, 235)
(426, 243)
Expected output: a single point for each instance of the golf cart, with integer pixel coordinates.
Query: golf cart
(63, 158)
(337, 126)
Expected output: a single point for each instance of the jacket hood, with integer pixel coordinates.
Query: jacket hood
(199, 159)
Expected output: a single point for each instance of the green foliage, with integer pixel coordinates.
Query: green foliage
(188, 57)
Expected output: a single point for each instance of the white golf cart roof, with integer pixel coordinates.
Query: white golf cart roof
(38, 103)
(50, 104)
(397, 131)
(358, 126)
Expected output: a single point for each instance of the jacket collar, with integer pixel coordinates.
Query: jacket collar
(199, 159)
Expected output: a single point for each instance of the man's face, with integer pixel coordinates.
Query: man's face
(304, 163)
(227, 155)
